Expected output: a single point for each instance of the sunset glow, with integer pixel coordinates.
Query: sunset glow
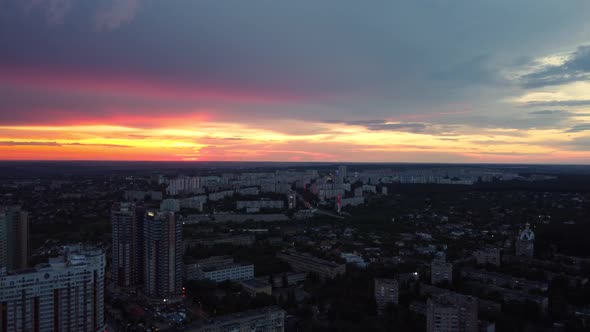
(141, 90)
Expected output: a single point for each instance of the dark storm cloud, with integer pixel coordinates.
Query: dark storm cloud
(577, 68)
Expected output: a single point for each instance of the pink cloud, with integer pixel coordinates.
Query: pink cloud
(132, 85)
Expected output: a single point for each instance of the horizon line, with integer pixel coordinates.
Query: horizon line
(294, 162)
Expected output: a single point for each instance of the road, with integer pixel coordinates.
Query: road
(317, 210)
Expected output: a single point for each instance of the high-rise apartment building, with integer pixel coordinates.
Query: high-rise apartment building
(162, 266)
(127, 227)
(3, 241)
(386, 291)
(343, 171)
(451, 312)
(14, 237)
(65, 294)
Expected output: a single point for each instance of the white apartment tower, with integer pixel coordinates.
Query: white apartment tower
(65, 294)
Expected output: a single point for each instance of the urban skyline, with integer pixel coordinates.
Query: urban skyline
(278, 248)
(394, 81)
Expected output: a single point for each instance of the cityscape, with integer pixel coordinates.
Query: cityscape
(131, 246)
(294, 166)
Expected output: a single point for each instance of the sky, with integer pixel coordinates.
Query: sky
(447, 81)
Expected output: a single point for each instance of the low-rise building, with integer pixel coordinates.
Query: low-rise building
(194, 202)
(192, 271)
(386, 291)
(352, 258)
(451, 312)
(307, 263)
(269, 319)
(352, 201)
(503, 280)
(491, 256)
(236, 240)
(441, 271)
(254, 287)
(288, 279)
(217, 196)
(251, 191)
(170, 205)
(221, 273)
(262, 204)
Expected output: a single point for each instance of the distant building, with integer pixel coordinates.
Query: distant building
(236, 240)
(140, 196)
(292, 200)
(261, 204)
(525, 242)
(254, 287)
(386, 291)
(288, 279)
(352, 258)
(341, 174)
(162, 255)
(307, 263)
(491, 256)
(487, 326)
(330, 193)
(219, 269)
(183, 184)
(451, 312)
(14, 237)
(194, 202)
(352, 201)
(193, 270)
(441, 271)
(66, 294)
(170, 205)
(503, 280)
(252, 191)
(269, 319)
(233, 272)
(217, 196)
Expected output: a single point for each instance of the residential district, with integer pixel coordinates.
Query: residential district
(293, 248)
